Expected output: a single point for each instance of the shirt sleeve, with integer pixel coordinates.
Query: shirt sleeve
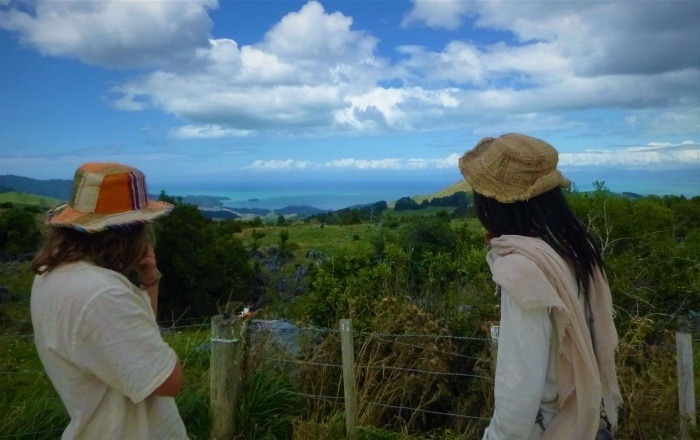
(521, 368)
(117, 340)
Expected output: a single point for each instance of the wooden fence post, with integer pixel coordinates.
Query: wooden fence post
(227, 355)
(686, 385)
(349, 384)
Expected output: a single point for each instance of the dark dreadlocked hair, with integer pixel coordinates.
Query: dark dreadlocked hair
(549, 217)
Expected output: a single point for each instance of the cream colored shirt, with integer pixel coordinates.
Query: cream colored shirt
(98, 340)
(525, 372)
(528, 345)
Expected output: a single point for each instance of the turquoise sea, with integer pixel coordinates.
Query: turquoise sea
(336, 194)
(329, 195)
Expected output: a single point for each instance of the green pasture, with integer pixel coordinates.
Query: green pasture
(304, 237)
(24, 199)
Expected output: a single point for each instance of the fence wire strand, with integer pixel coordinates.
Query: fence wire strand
(426, 411)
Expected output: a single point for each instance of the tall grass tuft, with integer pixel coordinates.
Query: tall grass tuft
(268, 407)
(648, 383)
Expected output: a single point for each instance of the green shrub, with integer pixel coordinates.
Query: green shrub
(268, 407)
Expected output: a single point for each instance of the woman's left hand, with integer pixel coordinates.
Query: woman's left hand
(147, 267)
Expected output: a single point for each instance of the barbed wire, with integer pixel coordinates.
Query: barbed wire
(317, 396)
(413, 370)
(36, 372)
(426, 411)
(297, 361)
(412, 335)
(464, 356)
(24, 434)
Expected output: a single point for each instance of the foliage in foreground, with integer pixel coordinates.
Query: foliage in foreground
(418, 275)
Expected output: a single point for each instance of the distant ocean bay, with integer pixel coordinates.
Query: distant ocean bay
(326, 195)
(337, 194)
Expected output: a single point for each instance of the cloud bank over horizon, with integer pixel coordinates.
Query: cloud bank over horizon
(655, 156)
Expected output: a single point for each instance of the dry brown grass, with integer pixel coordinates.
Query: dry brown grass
(400, 371)
(649, 385)
(398, 374)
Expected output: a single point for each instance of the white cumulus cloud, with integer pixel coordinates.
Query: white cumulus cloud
(656, 155)
(551, 64)
(361, 164)
(113, 33)
(288, 164)
(437, 13)
(208, 131)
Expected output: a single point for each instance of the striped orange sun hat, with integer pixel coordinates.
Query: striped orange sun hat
(107, 195)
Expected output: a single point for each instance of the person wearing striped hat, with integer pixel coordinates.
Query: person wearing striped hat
(95, 331)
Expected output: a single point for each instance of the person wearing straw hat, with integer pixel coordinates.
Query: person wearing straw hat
(94, 330)
(555, 369)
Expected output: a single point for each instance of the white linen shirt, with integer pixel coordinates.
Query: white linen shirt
(525, 372)
(99, 342)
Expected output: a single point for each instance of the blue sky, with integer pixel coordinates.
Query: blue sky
(233, 91)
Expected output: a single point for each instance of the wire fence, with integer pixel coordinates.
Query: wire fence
(411, 381)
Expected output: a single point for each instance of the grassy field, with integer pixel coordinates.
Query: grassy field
(321, 238)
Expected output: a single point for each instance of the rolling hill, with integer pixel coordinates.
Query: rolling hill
(461, 185)
(54, 188)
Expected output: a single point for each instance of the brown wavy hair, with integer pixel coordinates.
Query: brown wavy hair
(118, 249)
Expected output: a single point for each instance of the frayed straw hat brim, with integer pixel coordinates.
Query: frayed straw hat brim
(67, 217)
(512, 168)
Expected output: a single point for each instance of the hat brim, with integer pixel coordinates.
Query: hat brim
(67, 217)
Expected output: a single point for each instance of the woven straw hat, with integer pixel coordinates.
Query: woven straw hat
(107, 195)
(512, 167)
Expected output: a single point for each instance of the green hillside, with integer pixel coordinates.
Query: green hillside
(24, 199)
(461, 185)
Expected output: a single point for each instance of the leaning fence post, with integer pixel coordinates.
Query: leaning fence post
(686, 385)
(349, 384)
(227, 353)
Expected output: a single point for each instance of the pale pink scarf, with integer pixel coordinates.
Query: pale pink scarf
(545, 279)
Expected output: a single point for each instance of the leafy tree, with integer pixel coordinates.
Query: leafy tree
(650, 251)
(405, 204)
(19, 233)
(229, 227)
(202, 270)
(257, 236)
(352, 216)
(599, 186)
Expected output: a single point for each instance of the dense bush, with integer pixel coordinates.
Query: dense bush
(205, 267)
(459, 200)
(352, 216)
(650, 248)
(427, 259)
(19, 234)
